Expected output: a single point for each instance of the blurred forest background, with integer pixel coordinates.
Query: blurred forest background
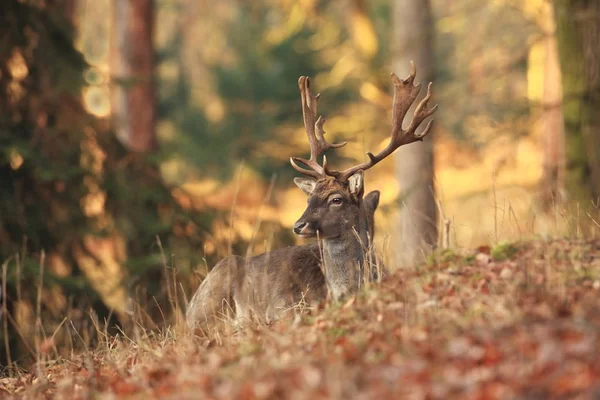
(141, 141)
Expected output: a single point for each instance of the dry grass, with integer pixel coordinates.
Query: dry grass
(508, 322)
(502, 321)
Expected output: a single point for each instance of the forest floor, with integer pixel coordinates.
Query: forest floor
(508, 322)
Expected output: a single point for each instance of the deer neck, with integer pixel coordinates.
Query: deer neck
(343, 259)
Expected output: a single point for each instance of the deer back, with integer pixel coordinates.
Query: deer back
(276, 282)
(213, 300)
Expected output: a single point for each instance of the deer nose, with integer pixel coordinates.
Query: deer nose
(299, 226)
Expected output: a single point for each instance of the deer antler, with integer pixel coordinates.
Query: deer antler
(405, 94)
(315, 132)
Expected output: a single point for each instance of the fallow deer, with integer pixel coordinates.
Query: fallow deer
(337, 215)
(271, 282)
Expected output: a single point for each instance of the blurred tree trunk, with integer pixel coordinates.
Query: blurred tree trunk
(578, 34)
(413, 40)
(132, 68)
(70, 11)
(553, 125)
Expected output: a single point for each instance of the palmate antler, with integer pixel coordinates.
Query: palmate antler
(405, 94)
(314, 131)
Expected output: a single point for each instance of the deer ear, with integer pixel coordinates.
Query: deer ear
(355, 183)
(371, 200)
(307, 185)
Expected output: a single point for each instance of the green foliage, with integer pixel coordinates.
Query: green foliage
(581, 95)
(441, 256)
(40, 157)
(503, 251)
(53, 154)
(337, 332)
(480, 77)
(258, 89)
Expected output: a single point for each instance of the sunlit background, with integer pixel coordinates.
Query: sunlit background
(228, 101)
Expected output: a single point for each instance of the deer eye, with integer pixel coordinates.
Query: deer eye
(336, 200)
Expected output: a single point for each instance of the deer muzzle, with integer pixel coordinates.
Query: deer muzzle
(304, 229)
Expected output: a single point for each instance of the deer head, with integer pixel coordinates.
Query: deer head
(335, 198)
(333, 206)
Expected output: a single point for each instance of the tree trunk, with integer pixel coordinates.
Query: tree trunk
(553, 125)
(578, 34)
(132, 66)
(413, 40)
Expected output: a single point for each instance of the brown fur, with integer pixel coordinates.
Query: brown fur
(345, 227)
(265, 286)
(260, 287)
